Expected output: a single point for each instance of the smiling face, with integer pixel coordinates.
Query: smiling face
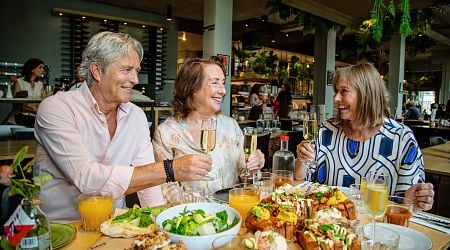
(115, 84)
(346, 99)
(209, 97)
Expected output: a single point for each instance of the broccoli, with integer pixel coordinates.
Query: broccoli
(145, 220)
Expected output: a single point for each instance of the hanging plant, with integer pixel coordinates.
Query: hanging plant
(307, 20)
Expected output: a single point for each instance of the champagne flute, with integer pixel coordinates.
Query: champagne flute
(376, 196)
(310, 127)
(208, 141)
(310, 131)
(250, 144)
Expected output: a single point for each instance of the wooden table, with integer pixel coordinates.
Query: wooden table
(9, 148)
(437, 159)
(84, 240)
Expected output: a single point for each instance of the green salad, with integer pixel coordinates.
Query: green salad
(197, 223)
(141, 217)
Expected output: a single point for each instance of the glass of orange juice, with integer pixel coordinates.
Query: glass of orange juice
(95, 208)
(243, 199)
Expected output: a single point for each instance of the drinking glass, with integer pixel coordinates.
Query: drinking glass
(276, 125)
(233, 242)
(310, 127)
(383, 239)
(243, 198)
(281, 177)
(265, 184)
(376, 196)
(95, 208)
(399, 210)
(357, 196)
(311, 167)
(250, 144)
(208, 142)
(260, 125)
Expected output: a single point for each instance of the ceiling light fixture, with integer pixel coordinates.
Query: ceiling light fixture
(169, 16)
(264, 18)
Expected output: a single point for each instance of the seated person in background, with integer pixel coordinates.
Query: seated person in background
(363, 138)
(282, 102)
(256, 102)
(94, 139)
(79, 79)
(29, 85)
(199, 92)
(440, 112)
(412, 112)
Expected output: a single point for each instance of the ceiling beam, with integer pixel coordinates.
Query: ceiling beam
(439, 37)
(311, 6)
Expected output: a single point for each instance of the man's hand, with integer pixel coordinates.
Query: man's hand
(5, 173)
(191, 167)
(422, 195)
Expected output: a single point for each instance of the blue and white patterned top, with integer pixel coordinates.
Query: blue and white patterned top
(392, 149)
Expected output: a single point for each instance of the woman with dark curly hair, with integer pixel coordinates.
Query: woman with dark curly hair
(29, 85)
(199, 92)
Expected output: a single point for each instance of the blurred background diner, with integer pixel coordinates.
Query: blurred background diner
(28, 85)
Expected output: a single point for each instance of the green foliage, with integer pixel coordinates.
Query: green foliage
(21, 184)
(309, 21)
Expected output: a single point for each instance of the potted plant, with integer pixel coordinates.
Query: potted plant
(29, 189)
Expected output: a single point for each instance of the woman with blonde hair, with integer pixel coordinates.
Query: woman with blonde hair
(363, 138)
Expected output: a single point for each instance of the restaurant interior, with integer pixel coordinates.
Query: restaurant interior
(270, 42)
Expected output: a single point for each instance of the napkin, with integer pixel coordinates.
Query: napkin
(420, 218)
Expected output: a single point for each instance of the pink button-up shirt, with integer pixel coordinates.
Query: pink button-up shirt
(75, 147)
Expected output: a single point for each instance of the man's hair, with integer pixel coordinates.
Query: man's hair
(372, 94)
(106, 47)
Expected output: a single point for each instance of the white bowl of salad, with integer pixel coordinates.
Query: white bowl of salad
(198, 224)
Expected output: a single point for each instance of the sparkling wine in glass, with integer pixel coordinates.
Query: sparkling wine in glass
(250, 144)
(310, 128)
(310, 131)
(208, 140)
(376, 196)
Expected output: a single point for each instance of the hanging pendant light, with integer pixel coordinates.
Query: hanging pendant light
(169, 16)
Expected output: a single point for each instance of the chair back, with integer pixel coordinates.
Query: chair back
(435, 140)
(295, 137)
(263, 145)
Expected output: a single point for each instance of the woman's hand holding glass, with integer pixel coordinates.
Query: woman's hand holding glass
(255, 162)
(254, 158)
(306, 154)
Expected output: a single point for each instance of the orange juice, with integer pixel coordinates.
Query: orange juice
(243, 201)
(94, 211)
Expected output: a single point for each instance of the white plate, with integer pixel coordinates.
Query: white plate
(409, 238)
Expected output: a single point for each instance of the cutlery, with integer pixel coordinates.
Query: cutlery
(433, 220)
